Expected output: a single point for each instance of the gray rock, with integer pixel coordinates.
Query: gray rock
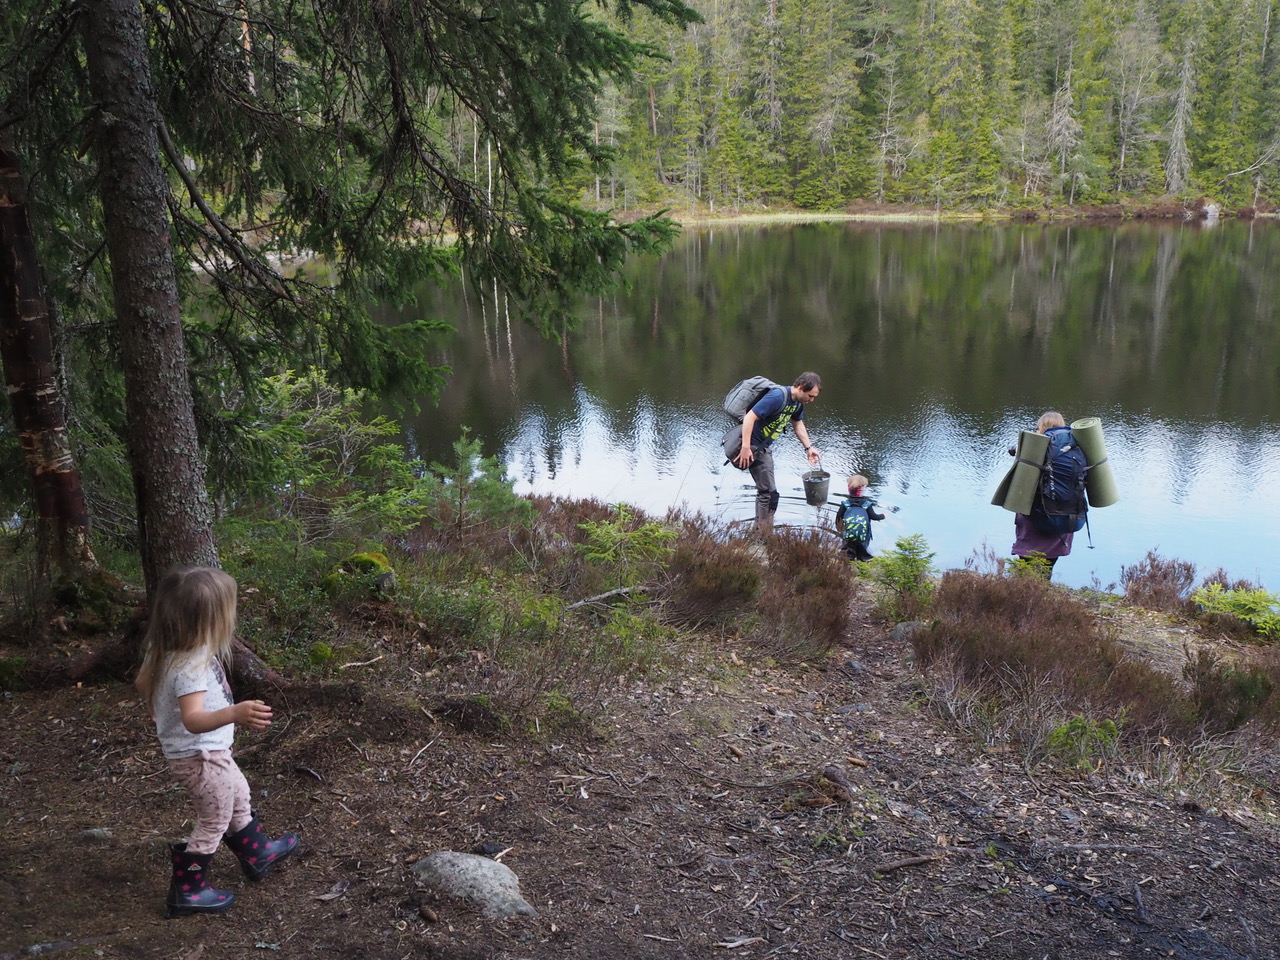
(854, 668)
(493, 885)
(902, 632)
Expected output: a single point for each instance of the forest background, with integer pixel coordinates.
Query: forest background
(950, 103)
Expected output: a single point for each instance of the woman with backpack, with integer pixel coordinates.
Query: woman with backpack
(1045, 534)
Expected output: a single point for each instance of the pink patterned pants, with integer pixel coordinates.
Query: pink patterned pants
(220, 794)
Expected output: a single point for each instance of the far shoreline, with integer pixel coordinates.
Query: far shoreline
(1108, 214)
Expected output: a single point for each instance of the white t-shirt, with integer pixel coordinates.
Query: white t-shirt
(191, 674)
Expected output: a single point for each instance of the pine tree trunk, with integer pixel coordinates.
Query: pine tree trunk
(26, 346)
(173, 504)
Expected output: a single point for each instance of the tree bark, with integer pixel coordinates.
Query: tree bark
(26, 345)
(174, 515)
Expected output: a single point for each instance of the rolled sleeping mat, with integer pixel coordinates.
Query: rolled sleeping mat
(1100, 485)
(1017, 491)
(1002, 491)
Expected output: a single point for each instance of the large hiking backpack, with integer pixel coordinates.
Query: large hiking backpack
(1061, 506)
(745, 395)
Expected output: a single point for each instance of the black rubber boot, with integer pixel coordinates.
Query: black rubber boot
(189, 892)
(256, 851)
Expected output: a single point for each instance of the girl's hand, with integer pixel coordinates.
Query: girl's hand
(253, 713)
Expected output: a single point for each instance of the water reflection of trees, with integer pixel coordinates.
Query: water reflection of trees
(1166, 319)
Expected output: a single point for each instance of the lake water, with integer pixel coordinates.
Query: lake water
(936, 345)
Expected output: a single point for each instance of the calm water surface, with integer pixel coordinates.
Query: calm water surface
(936, 344)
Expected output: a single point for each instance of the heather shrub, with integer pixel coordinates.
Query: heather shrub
(1228, 582)
(803, 606)
(711, 582)
(1266, 661)
(1226, 695)
(1023, 630)
(1158, 583)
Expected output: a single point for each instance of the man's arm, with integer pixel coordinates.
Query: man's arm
(802, 434)
(745, 456)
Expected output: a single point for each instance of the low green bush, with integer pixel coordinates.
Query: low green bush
(1083, 742)
(907, 573)
(632, 548)
(468, 501)
(1257, 607)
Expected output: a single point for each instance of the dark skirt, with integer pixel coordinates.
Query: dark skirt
(1029, 540)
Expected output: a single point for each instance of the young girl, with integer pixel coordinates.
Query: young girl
(193, 617)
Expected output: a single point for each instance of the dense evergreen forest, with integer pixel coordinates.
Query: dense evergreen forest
(983, 103)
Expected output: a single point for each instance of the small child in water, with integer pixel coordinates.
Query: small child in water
(854, 517)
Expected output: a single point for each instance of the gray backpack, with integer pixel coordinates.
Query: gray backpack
(746, 394)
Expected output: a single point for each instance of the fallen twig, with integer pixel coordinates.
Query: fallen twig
(785, 781)
(1125, 847)
(620, 592)
(420, 752)
(1141, 913)
(899, 864)
(362, 663)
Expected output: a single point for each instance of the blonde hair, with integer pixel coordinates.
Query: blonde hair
(1050, 419)
(193, 609)
(856, 481)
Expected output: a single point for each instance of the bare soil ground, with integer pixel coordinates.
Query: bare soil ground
(738, 810)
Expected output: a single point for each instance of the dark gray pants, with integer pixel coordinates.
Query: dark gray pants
(766, 488)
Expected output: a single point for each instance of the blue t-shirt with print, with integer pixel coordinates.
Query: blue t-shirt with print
(773, 412)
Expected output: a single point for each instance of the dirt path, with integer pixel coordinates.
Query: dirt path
(739, 811)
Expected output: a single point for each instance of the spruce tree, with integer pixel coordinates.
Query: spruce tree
(240, 134)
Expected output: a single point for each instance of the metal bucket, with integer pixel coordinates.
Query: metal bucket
(817, 484)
